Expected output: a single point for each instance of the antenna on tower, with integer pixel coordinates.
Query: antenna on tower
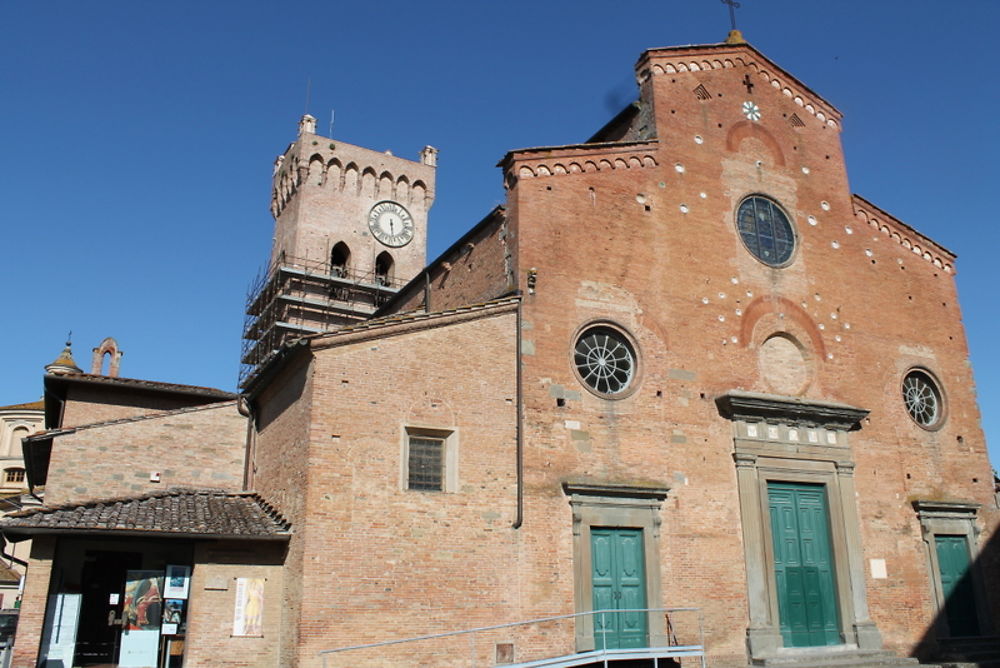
(330, 133)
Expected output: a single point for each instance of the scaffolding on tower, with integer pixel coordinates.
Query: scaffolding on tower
(296, 297)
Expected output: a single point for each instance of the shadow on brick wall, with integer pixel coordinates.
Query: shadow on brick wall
(966, 628)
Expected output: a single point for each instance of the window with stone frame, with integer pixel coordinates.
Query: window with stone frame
(13, 475)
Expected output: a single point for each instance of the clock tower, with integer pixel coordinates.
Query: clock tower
(350, 230)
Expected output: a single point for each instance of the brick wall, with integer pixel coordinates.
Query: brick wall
(479, 267)
(88, 405)
(382, 561)
(33, 602)
(201, 447)
(280, 447)
(210, 641)
(641, 235)
(652, 246)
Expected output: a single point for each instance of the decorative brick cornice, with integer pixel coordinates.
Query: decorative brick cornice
(672, 60)
(322, 162)
(903, 234)
(577, 159)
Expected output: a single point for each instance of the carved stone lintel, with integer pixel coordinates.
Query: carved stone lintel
(755, 406)
(745, 460)
(658, 493)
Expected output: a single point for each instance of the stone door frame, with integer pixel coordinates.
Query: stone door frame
(614, 506)
(788, 439)
(951, 518)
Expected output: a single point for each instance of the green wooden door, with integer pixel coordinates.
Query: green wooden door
(956, 584)
(619, 581)
(803, 565)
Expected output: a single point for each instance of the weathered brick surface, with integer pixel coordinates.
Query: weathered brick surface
(643, 235)
(33, 601)
(91, 404)
(379, 560)
(477, 268)
(324, 191)
(209, 640)
(200, 447)
(280, 448)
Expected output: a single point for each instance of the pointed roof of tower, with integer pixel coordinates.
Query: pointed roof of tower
(64, 363)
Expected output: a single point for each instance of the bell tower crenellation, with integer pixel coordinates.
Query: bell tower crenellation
(350, 230)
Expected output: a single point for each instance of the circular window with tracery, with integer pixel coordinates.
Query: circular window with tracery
(605, 360)
(922, 398)
(766, 231)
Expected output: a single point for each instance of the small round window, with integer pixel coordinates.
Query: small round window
(923, 399)
(765, 230)
(605, 360)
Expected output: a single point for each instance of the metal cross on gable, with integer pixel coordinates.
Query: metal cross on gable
(733, 6)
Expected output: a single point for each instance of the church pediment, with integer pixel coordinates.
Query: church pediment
(763, 71)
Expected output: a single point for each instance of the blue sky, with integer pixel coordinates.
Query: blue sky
(139, 139)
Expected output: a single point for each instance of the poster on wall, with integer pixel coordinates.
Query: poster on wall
(248, 616)
(173, 613)
(178, 582)
(59, 633)
(141, 615)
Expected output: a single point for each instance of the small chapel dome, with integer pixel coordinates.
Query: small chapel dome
(64, 364)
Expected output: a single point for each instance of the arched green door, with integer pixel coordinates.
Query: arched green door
(803, 564)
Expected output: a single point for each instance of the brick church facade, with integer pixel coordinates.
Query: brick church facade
(682, 373)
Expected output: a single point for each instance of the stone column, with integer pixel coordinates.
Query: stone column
(763, 636)
(865, 631)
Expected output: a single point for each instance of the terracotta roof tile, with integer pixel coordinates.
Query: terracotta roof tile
(177, 512)
(154, 385)
(31, 406)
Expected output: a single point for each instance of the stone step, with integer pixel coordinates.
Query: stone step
(834, 658)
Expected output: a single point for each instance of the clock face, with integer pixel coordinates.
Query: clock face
(391, 224)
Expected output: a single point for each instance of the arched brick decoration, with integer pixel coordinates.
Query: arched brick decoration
(108, 347)
(784, 365)
(795, 321)
(745, 130)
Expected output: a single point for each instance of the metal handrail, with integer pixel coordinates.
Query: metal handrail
(604, 651)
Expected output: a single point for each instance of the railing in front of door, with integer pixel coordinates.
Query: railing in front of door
(544, 641)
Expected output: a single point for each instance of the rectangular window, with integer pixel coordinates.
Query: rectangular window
(14, 475)
(425, 463)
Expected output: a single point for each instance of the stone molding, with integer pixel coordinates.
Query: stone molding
(606, 504)
(954, 518)
(759, 407)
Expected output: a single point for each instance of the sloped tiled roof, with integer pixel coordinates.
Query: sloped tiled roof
(138, 383)
(30, 406)
(8, 576)
(176, 512)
